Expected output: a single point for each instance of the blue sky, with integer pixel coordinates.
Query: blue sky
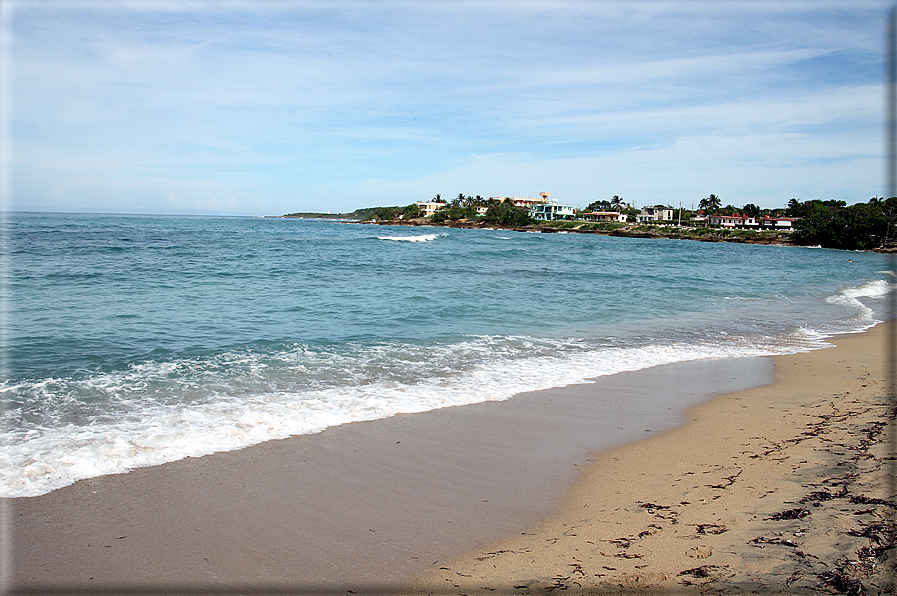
(265, 108)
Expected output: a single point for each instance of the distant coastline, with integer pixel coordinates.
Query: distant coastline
(629, 230)
(633, 230)
(870, 226)
(357, 215)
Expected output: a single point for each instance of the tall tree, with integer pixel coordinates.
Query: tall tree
(711, 203)
(616, 202)
(832, 224)
(508, 214)
(751, 210)
(411, 211)
(599, 206)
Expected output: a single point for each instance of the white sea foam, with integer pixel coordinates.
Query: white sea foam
(850, 297)
(41, 459)
(181, 346)
(420, 238)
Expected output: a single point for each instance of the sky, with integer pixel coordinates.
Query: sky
(270, 107)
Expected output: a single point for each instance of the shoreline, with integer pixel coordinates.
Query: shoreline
(359, 505)
(767, 237)
(629, 230)
(370, 506)
(785, 488)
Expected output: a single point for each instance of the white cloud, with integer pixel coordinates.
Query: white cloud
(286, 106)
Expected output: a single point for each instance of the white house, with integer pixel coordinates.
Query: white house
(778, 223)
(551, 211)
(733, 221)
(428, 208)
(655, 214)
(604, 216)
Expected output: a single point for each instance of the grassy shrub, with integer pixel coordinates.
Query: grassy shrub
(747, 234)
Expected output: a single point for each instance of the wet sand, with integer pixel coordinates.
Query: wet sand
(764, 489)
(783, 489)
(364, 507)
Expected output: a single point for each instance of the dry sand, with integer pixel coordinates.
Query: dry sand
(787, 488)
(782, 488)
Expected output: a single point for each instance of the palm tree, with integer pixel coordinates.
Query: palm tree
(616, 202)
(711, 203)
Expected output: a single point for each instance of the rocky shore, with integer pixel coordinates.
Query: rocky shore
(624, 231)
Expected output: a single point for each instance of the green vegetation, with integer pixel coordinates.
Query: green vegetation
(601, 226)
(562, 224)
(454, 212)
(358, 214)
(751, 210)
(710, 204)
(834, 224)
(507, 214)
(461, 207)
(391, 213)
(748, 234)
(830, 224)
(386, 213)
(615, 204)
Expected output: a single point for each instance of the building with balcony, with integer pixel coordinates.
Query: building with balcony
(551, 212)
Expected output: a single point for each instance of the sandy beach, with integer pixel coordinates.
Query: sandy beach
(787, 488)
(782, 487)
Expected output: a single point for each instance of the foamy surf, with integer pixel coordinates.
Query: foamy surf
(851, 296)
(144, 340)
(420, 238)
(34, 461)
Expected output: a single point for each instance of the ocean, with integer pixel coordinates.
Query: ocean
(138, 340)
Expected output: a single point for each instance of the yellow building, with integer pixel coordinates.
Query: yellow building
(428, 208)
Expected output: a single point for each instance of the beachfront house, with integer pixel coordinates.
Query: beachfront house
(428, 208)
(655, 214)
(522, 202)
(778, 223)
(604, 216)
(740, 221)
(552, 212)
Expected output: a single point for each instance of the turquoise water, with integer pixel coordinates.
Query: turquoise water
(137, 340)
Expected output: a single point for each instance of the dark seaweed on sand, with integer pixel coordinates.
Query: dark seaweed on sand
(797, 513)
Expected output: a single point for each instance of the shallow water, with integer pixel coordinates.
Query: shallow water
(137, 340)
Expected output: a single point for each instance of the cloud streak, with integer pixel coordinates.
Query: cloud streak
(294, 106)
